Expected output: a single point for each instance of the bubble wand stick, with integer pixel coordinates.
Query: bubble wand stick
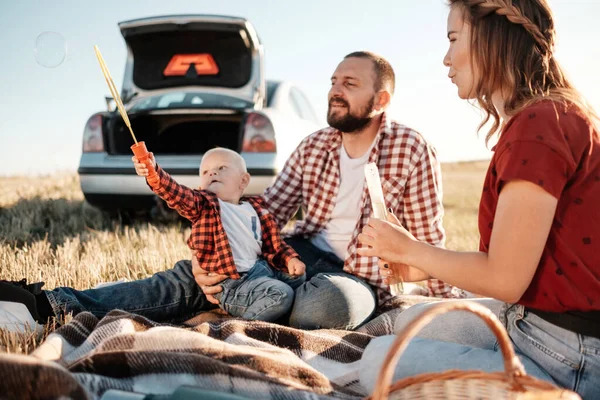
(139, 148)
(379, 211)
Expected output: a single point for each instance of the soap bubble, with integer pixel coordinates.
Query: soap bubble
(50, 49)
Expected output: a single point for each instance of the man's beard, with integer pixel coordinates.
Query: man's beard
(349, 122)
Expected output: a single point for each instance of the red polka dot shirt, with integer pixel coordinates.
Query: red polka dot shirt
(559, 150)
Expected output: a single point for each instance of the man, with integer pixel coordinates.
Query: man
(325, 176)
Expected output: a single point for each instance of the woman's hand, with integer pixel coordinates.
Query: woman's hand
(387, 240)
(207, 281)
(394, 245)
(394, 273)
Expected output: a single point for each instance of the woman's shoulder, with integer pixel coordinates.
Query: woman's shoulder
(547, 135)
(550, 123)
(548, 114)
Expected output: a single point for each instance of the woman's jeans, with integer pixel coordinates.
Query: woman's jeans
(547, 351)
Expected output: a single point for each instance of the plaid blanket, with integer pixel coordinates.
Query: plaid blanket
(86, 357)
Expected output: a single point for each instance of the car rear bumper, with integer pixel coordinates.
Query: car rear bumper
(109, 175)
(104, 182)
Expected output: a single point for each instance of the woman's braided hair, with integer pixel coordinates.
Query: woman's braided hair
(514, 15)
(512, 47)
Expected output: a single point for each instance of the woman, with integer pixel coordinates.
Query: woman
(539, 216)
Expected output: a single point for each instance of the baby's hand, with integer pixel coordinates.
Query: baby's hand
(140, 168)
(296, 267)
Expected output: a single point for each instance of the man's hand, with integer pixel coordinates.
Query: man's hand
(207, 281)
(296, 267)
(140, 168)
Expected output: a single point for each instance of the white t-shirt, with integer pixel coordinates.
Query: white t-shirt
(338, 232)
(242, 226)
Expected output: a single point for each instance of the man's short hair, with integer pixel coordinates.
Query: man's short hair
(385, 78)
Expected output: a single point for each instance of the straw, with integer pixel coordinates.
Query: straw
(113, 91)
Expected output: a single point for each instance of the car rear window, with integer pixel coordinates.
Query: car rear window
(189, 100)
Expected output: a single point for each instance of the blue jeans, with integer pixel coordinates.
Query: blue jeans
(330, 298)
(548, 352)
(167, 296)
(262, 293)
(460, 327)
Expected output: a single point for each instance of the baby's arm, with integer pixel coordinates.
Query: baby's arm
(278, 253)
(187, 202)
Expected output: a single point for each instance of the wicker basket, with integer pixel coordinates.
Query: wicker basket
(512, 383)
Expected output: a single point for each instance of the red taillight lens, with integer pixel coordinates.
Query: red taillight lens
(259, 135)
(92, 135)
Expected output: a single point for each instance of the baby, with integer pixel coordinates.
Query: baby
(234, 236)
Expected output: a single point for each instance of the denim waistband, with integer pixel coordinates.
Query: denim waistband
(586, 323)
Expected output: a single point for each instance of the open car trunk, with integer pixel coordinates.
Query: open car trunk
(177, 133)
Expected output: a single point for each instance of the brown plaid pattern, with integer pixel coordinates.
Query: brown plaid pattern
(412, 185)
(86, 357)
(208, 237)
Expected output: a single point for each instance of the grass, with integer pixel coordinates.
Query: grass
(48, 233)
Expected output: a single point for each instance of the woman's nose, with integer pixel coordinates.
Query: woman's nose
(446, 59)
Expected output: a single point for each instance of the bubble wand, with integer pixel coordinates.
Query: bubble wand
(379, 211)
(139, 148)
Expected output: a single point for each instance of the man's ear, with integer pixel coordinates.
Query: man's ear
(383, 100)
(245, 181)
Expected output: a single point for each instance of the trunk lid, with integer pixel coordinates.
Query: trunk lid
(208, 53)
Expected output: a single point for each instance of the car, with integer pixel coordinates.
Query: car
(191, 83)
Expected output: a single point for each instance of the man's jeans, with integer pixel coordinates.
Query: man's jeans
(548, 352)
(167, 296)
(330, 298)
(262, 293)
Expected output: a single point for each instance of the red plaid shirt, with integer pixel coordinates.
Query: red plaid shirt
(208, 237)
(411, 179)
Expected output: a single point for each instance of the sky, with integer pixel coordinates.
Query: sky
(44, 110)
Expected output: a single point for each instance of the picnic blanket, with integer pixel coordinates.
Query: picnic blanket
(88, 356)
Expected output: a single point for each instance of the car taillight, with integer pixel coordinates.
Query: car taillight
(92, 135)
(259, 135)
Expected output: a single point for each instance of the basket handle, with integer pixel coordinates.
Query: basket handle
(512, 365)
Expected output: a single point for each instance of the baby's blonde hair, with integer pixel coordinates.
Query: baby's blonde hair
(235, 156)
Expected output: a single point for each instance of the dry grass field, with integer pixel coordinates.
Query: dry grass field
(48, 233)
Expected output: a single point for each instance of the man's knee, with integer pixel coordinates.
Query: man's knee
(332, 301)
